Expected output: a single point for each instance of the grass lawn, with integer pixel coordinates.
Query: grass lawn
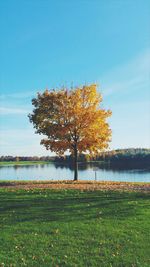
(74, 228)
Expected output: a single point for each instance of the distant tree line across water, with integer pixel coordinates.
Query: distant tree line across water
(132, 157)
(117, 159)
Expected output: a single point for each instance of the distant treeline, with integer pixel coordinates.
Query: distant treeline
(120, 158)
(26, 158)
(134, 157)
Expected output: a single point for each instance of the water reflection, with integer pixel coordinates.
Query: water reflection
(100, 166)
(30, 166)
(60, 171)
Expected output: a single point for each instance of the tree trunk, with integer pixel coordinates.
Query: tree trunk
(75, 163)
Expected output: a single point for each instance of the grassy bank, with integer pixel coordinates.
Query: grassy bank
(73, 228)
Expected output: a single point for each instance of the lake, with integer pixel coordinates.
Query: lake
(87, 171)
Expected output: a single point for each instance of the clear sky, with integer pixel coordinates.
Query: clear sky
(46, 44)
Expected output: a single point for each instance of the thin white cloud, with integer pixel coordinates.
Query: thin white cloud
(9, 111)
(126, 93)
(17, 133)
(133, 75)
(21, 142)
(19, 95)
(20, 135)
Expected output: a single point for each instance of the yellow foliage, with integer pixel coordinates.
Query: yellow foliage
(72, 120)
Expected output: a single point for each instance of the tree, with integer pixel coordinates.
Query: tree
(72, 120)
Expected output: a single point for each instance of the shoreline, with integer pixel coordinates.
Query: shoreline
(77, 185)
(22, 163)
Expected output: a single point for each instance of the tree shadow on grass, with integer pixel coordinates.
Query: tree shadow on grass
(62, 207)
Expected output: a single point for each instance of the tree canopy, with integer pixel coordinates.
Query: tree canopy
(72, 120)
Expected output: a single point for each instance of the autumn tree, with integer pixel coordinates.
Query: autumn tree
(72, 120)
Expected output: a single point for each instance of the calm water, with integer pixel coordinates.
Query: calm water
(87, 171)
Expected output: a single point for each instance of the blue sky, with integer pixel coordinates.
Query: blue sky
(47, 44)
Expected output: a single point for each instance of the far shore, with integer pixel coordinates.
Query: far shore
(77, 185)
(14, 163)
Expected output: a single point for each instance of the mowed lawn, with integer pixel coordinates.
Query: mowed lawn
(74, 228)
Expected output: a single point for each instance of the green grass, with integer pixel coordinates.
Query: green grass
(73, 228)
(5, 163)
